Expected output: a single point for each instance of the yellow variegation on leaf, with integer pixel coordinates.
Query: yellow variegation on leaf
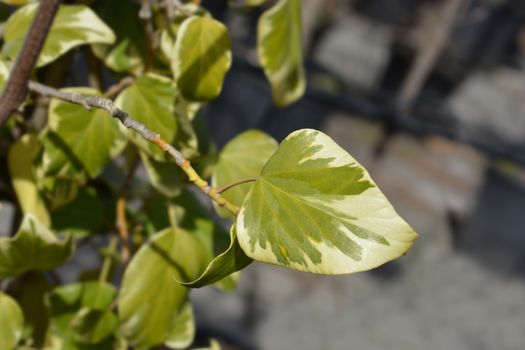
(279, 47)
(74, 25)
(315, 208)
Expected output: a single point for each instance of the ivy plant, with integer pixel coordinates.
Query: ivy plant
(123, 160)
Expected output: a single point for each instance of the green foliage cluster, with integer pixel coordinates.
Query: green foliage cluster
(305, 203)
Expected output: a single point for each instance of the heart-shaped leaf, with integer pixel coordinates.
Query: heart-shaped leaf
(12, 321)
(279, 47)
(93, 137)
(74, 25)
(315, 208)
(33, 247)
(201, 58)
(241, 158)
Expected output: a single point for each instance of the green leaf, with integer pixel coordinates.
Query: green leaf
(93, 137)
(150, 301)
(222, 256)
(29, 291)
(20, 162)
(279, 47)
(150, 100)
(231, 260)
(316, 209)
(4, 74)
(183, 332)
(201, 58)
(83, 216)
(33, 247)
(15, 2)
(130, 46)
(74, 25)
(163, 176)
(241, 158)
(92, 326)
(12, 321)
(67, 304)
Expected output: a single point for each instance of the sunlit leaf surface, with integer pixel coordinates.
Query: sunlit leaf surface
(11, 322)
(74, 25)
(201, 58)
(243, 157)
(315, 208)
(279, 47)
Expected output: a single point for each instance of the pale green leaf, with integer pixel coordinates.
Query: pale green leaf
(66, 304)
(243, 157)
(33, 247)
(150, 100)
(4, 74)
(316, 209)
(20, 162)
(16, 2)
(183, 332)
(279, 47)
(150, 301)
(92, 326)
(11, 322)
(201, 58)
(231, 260)
(163, 176)
(74, 25)
(93, 137)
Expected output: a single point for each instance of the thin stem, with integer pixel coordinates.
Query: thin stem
(226, 187)
(114, 90)
(90, 102)
(121, 222)
(106, 265)
(16, 87)
(122, 229)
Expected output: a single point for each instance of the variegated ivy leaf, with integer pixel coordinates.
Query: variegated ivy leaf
(150, 302)
(74, 25)
(201, 58)
(279, 47)
(315, 208)
(93, 137)
(233, 259)
(243, 157)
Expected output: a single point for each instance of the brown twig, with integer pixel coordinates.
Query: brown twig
(429, 53)
(114, 90)
(122, 229)
(90, 102)
(226, 187)
(16, 87)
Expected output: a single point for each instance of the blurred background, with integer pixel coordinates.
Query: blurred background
(430, 97)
